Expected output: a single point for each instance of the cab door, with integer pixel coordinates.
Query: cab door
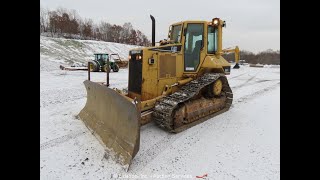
(193, 46)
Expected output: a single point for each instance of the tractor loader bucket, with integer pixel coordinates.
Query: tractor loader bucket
(114, 120)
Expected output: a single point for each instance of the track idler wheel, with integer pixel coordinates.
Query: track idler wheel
(214, 89)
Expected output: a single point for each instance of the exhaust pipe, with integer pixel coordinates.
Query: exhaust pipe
(153, 31)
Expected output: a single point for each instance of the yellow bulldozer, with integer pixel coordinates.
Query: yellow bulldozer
(177, 84)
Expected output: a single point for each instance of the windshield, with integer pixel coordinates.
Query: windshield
(176, 33)
(101, 56)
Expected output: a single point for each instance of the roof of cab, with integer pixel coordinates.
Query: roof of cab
(190, 21)
(100, 53)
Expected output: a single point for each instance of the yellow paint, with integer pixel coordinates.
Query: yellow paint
(153, 83)
(236, 52)
(217, 87)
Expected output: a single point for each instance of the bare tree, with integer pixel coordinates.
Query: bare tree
(87, 28)
(125, 33)
(133, 37)
(42, 16)
(104, 29)
(67, 23)
(268, 56)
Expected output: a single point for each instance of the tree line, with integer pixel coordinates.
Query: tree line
(265, 57)
(68, 24)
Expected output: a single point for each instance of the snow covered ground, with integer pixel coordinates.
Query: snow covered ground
(243, 143)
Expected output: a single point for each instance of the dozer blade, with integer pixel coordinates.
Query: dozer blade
(236, 66)
(114, 121)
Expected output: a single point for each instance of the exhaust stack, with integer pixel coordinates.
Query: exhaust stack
(153, 31)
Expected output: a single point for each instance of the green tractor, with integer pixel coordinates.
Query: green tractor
(100, 62)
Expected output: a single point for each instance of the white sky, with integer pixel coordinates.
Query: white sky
(252, 24)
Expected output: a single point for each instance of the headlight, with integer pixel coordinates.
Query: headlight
(215, 21)
(135, 54)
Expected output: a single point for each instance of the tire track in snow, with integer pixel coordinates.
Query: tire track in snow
(237, 76)
(244, 83)
(155, 150)
(249, 84)
(256, 93)
(60, 140)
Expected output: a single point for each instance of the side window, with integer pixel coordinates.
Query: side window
(212, 40)
(193, 46)
(105, 56)
(176, 33)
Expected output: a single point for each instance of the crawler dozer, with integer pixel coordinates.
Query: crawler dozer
(177, 84)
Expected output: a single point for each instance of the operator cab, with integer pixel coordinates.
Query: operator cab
(191, 37)
(101, 56)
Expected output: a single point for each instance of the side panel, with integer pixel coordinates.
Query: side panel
(167, 66)
(150, 75)
(170, 69)
(166, 70)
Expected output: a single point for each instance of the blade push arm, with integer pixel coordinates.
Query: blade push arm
(236, 52)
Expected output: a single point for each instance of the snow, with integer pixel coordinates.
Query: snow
(68, 51)
(242, 143)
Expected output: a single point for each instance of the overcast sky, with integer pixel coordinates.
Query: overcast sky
(252, 24)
